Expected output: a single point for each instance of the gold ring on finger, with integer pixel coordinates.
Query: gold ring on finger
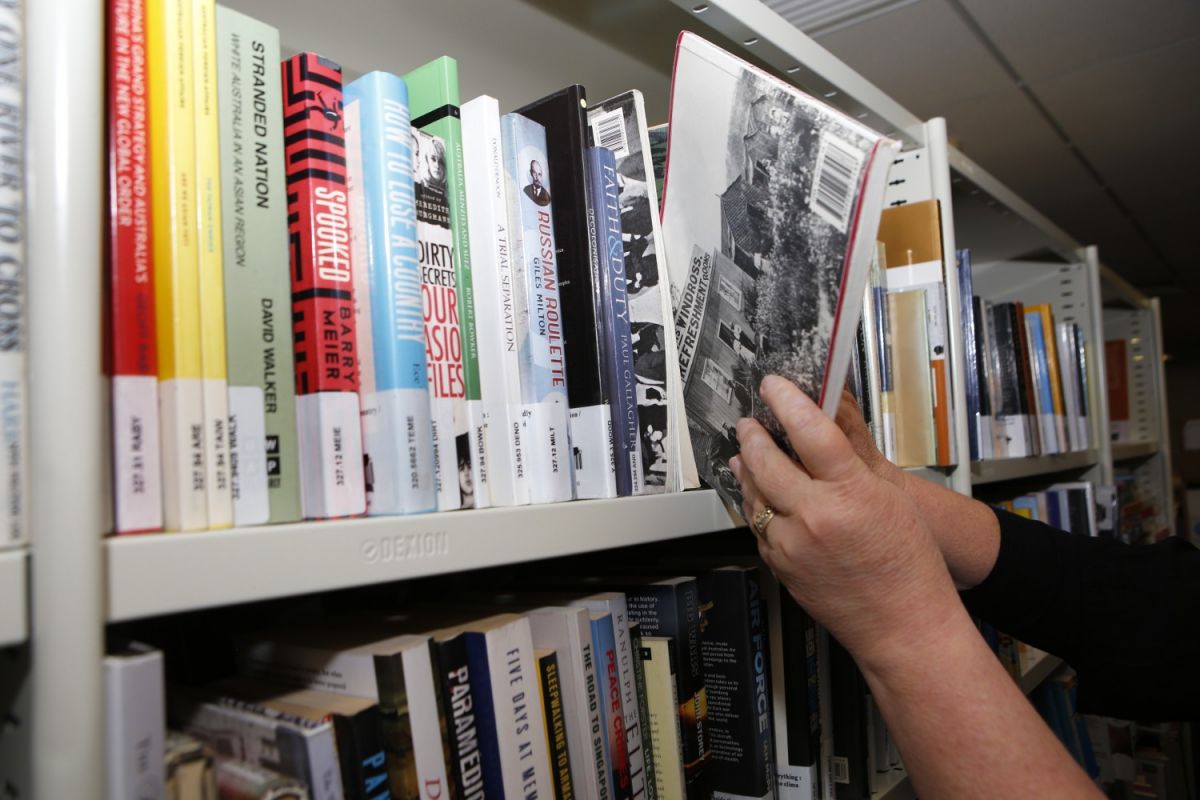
(762, 518)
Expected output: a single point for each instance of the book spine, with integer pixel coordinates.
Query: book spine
(616, 343)
(1028, 389)
(643, 708)
(662, 701)
(1081, 357)
(550, 692)
(396, 724)
(495, 308)
(211, 266)
(851, 762)
(967, 307)
(467, 759)
(540, 332)
(361, 756)
(484, 701)
(443, 305)
(137, 471)
(323, 325)
(433, 101)
(394, 393)
(1039, 369)
(429, 725)
(520, 730)
(135, 717)
(612, 720)
(176, 267)
(795, 718)
(595, 710)
(620, 124)
(1056, 378)
(264, 473)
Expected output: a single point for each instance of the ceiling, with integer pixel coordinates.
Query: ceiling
(1084, 108)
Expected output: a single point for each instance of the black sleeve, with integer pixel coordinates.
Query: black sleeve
(1127, 619)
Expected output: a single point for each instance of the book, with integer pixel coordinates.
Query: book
(294, 746)
(263, 466)
(472, 754)
(189, 768)
(752, 297)
(492, 278)
(1013, 425)
(1043, 315)
(795, 694)
(619, 123)
(443, 306)
(916, 436)
(393, 375)
(237, 780)
(591, 343)
(671, 608)
(978, 418)
(657, 657)
(137, 469)
(1083, 385)
(643, 707)
(568, 632)
(210, 250)
(1043, 382)
(737, 679)
(984, 382)
(657, 136)
(176, 272)
(357, 728)
(539, 310)
(550, 692)
(323, 324)
(1025, 382)
(395, 671)
(433, 105)
(851, 762)
(1116, 376)
(615, 604)
(882, 338)
(612, 719)
(135, 723)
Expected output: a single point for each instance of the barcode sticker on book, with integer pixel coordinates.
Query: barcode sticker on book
(835, 179)
(839, 768)
(608, 130)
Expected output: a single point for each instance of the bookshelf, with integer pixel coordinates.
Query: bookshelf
(1132, 451)
(1039, 673)
(1011, 469)
(515, 50)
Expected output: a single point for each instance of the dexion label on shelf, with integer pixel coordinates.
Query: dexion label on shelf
(406, 547)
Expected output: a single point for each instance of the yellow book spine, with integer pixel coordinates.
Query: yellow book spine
(1056, 392)
(171, 90)
(211, 273)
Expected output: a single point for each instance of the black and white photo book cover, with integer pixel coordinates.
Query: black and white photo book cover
(771, 209)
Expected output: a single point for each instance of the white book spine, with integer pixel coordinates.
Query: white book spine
(520, 724)
(495, 304)
(248, 456)
(138, 474)
(331, 467)
(135, 719)
(421, 691)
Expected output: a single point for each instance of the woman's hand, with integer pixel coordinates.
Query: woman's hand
(848, 544)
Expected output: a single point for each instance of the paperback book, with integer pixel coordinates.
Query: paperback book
(769, 223)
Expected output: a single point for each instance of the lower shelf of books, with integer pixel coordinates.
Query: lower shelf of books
(167, 573)
(14, 617)
(1128, 451)
(1007, 469)
(1039, 672)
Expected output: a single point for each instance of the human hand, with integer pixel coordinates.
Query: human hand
(849, 418)
(847, 543)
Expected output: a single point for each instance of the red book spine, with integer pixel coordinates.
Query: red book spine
(133, 349)
(318, 226)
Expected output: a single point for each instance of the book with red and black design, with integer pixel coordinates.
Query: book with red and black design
(327, 407)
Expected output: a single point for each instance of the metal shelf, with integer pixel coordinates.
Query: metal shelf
(1125, 451)
(1040, 672)
(1008, 469)
(14, 616)
(166, 573)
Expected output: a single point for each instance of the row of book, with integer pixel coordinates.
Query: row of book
(675, 688)
(474, 304)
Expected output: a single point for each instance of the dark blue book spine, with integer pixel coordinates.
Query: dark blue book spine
(966, 308)
(485, 714)
(616, 338)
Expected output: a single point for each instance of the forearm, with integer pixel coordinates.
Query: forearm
(963, 727)
(966, 530)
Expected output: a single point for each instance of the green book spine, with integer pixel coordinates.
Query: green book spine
(257, 289)
(433, 105)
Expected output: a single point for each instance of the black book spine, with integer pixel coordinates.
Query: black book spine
(1005, 344)
(981, 372)
(454, 681)
(639, 677)
(556, 725)
(396, 727)
(361, 755)
(1025, 372)
(673, 610)
(801, 686)
(848, 695)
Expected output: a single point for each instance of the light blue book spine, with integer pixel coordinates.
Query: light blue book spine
(546, 414)
(397, 433)
(1041, 379)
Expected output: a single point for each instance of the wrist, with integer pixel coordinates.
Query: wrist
(905, 656)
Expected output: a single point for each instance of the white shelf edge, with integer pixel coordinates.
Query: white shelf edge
(1124, 451)
(155, 574)
(1040, 672)
(1007, 469)
(14, 594)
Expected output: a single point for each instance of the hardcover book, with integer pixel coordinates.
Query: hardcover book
(539, 310)
(443, 307)
(211, 265)
(393, 383)
(433, 104)
(264, 470)
(176, 272)
(795, 694)
(657, 656)
(137, 470)
(667, 463)
(326, 359)
(495, 302)
(594, 399)
(769, 221)
(550, 692)
(916, 433)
